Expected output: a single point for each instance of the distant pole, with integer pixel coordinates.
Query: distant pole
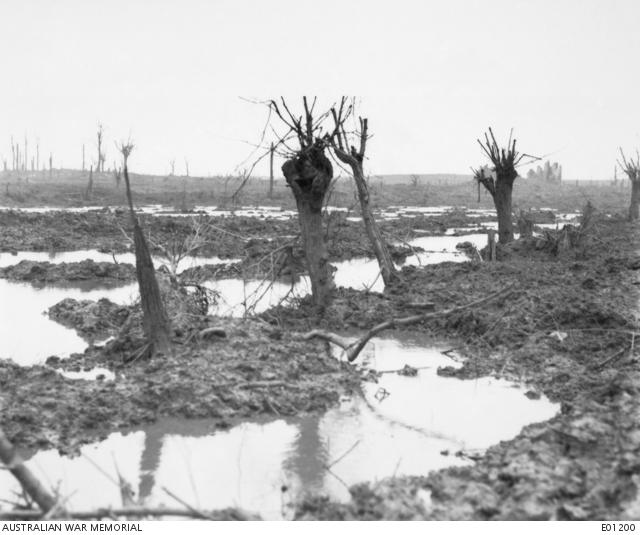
(271, 151)
(38, 155)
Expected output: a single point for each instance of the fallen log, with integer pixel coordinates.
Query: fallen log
(353, 349)
(137, 512)
(25, 477)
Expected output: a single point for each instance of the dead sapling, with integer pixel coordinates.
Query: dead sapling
(155, 321)
(631, 168)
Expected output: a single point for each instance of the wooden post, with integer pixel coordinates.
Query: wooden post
(491, 243)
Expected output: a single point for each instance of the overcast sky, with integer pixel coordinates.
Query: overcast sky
(430, 75)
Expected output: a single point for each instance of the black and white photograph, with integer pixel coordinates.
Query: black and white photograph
(319, 261)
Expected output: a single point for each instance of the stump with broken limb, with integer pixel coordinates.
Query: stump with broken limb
(353, 349)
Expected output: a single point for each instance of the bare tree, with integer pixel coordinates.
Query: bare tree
(50, 164)
(172, 164)
(186, 167)
(101, 155)
(308, 173)
(498, 180)
(631, 168)
(154, 317)
(83, 159)
(415, 179)
(354, 158)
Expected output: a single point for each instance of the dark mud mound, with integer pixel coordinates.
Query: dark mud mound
(86, 270)
(92, 320)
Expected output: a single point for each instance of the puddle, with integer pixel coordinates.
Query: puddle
(28, 304)
(249, 465)
(28, 336)
(89, 375)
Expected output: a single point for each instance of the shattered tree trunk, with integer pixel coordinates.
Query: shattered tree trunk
(502, 202)
(154, 317)
(380, 249)
(634, 207)
(309, 176)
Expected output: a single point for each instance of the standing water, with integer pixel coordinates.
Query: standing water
(416, 426)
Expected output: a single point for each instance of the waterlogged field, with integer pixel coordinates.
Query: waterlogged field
(260, 419)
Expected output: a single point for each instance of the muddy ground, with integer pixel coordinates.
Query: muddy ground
(567, 331)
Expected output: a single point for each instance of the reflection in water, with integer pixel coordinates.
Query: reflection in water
(308, 457)
(363, 439)
(23, 315)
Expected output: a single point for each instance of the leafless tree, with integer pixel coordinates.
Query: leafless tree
(498, 180)
(308, 172)
(186, 167)
(631, 168)
(176, 248)
(347, 153)
(414, 180)
(155, 321)
(83, 160)
(101, 155)
(172, 164)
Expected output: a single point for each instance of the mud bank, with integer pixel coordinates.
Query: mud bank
(239, 237)
(236, 370)
(86, 270)
(568, 331)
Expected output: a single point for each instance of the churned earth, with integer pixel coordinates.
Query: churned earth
(567, 329)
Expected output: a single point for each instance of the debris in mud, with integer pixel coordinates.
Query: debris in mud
(408, 371)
